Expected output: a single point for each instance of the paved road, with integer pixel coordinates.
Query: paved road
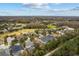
(50, 53)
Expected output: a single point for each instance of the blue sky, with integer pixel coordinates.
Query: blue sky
(39, 9)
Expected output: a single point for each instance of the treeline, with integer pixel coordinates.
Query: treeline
(72, 24)
(71, 48)
(36, 26)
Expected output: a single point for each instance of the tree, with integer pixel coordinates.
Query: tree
(51, 45)
(14, 42)
(5, 40)
(39, 52)
(71, 48)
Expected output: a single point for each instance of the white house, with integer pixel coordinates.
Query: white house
(10, 39)
(4, 50)
(29, 45)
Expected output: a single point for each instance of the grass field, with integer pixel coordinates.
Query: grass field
(52, 27)
(16, 32)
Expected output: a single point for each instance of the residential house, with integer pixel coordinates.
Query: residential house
(4, 50)
(15, 49)
(29, 45)
(10, 39)
(47, 38)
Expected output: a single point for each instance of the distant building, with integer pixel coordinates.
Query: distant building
(40, 35)
(5, 30)
(60, 32)
(67, 28)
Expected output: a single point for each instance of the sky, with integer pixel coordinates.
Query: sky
(39, 9)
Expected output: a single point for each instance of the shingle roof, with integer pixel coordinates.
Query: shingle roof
(29, 44)
(47, 38)
(16, 48)
(4, 52)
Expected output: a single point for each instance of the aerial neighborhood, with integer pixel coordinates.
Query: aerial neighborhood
(31, 39)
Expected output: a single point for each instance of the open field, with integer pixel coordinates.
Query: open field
(17, 32)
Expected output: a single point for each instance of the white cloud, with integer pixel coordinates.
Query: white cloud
(57, 3)
(36, 5)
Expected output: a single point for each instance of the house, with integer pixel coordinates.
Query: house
(64, 29)
(40, 35)
(5, 30)
(4, 50)
(47, 38)
(61, 32)
(29, 45)
(2, 46)
(10, 39)
(23, 53)
(38, 42)
(15, 49)
(18, 37)
(67, 28)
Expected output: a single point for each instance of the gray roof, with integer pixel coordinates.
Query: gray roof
(4, 52)
(29, 45)
(47, 38)
(16, 48)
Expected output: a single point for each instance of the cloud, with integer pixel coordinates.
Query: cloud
(45, 9)
(36, 5)
(57, 3)
(12, 12)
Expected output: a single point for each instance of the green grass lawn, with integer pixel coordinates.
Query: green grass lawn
(51, 26)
